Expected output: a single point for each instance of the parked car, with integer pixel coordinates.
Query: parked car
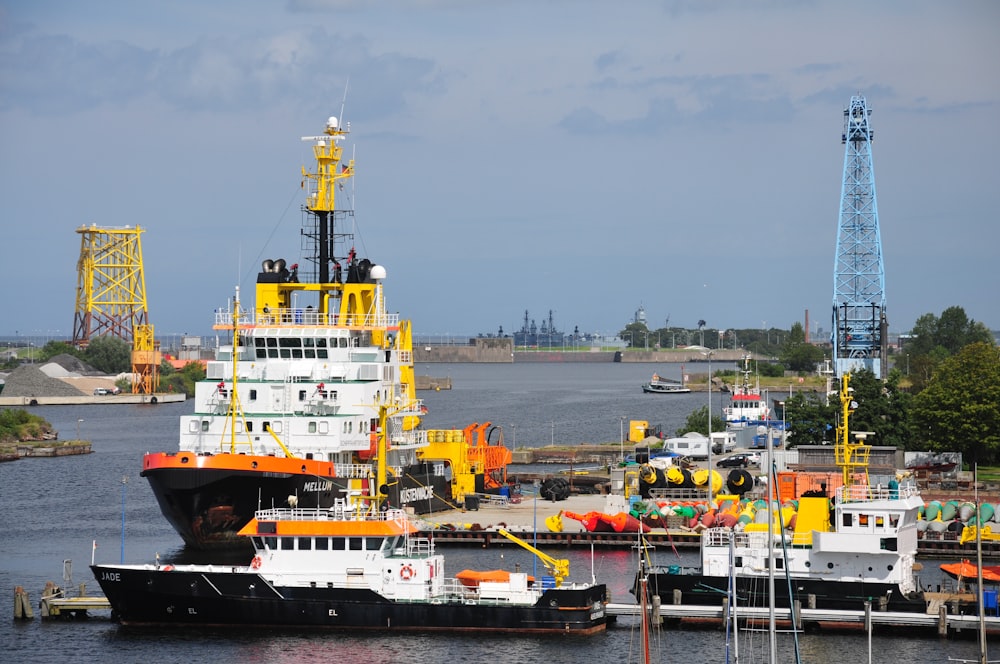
(741, 460)
(101, 391)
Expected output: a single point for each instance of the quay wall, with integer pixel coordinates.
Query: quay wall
(496, 350)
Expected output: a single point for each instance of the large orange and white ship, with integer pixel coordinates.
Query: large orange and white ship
(288, 412)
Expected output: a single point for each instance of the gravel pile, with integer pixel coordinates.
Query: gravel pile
(28, 380)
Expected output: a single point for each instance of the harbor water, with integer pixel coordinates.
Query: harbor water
(55, 509)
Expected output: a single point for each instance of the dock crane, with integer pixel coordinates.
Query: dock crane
(860, 328)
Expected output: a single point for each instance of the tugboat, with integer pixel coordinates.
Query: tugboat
(356, 565)
(747, 407)
(288, 412)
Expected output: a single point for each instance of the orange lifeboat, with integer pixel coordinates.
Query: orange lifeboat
(471, 578)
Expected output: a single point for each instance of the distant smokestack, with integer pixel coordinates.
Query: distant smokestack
(807, 326)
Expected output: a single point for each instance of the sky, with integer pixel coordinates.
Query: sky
(584, 158)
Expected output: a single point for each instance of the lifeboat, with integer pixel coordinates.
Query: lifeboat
(967, 570)
(471, 578)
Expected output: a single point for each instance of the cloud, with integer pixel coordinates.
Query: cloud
(57, 74)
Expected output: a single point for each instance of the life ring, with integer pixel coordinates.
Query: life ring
(255, 563)
(168, 568)
(406, 572)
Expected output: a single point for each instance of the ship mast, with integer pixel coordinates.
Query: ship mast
(851, 456)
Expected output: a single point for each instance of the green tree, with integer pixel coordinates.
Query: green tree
(697, 420)
(959, 410)
(882, 409)
(811, 419)
(109, 354)
(53, 348)
(635, 335)
(183, 381)
(934, 339)
(797, 355)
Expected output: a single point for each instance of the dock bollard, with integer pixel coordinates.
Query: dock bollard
(22, 605)
(51, 591)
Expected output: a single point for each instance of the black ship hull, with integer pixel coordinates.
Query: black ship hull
(208, 506)
(237, 598)
(698, 589)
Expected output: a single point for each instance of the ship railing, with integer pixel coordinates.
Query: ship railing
(354, 471)
(324, 514)
(720, 537)
(864, 493)
(412, 438)
(307, 317)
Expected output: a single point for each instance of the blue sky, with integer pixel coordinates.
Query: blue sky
(584, 157)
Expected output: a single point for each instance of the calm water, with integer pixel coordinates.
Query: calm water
(53, 509)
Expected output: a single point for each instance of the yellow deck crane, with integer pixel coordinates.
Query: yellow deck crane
(557, 567)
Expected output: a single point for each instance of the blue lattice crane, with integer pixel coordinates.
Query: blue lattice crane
(860, 328)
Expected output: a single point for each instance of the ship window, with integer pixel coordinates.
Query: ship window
(249, 425)
(308, 342)
(261, 353)
(272, 352)
(888, 544)
(322, 543)
(893, 520)
(321, 354)
(297, 353)
(321, 343)
(302, 395)
(271, 542)
(373, 543)
(310, 353)
(287, 543)
(863, 520)
(285, 353)
(258, 342)
(272, 342)
(343, 342)
(290, 342)
(258, 543)
(355, 543)
(848, 519)
(338, 544)
(305, 544)
(312, 427)
(880, 522)
(738, 560)
(253, 395)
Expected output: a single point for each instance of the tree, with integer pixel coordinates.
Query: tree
(697, 420)
(934, 339)
(797, 355)
(810, 418)
(959, 410)
(53, 348)
(109, 354)
(883, 409)
(183, 381)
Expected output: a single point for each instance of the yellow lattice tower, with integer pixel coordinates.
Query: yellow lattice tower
(111, 296)
(111, 288)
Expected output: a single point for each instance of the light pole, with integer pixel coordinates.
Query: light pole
(709, 482)
(552, 439)
(534, 526)
(514, 428)
(621, 438)
(78, 428)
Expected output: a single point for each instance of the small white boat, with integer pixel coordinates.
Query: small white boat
(665, 386)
